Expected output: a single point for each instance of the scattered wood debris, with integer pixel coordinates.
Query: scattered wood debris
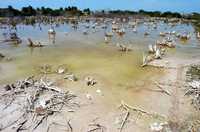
(194, 91)
(13, 38)
(32, 44)
(71, 77)
(61, 69)
(193, 85)
(161, 89)
(32, 102)
(127, 108)
(90, 81)
(95, 127)
(131, 108)
(146, 59)
(124, 120)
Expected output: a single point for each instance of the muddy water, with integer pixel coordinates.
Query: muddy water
(108, 63)
(80, 53)
(87, 52)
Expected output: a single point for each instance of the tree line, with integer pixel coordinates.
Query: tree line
(74, 11)
(30, 11)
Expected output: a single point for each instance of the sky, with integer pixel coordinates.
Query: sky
(182, 6)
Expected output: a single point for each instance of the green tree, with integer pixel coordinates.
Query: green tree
(28, 11)
(87, 11)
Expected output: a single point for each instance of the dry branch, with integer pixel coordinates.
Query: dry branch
(161, 89)
(38, 98)
(139, 110)
(124, 120)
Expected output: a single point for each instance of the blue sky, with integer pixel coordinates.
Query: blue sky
(183, 6)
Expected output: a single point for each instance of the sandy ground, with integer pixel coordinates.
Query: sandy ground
(175, 107)
(103, 107)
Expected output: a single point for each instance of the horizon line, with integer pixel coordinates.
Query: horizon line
(105, 9)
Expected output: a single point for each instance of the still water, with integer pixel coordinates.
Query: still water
(89, 54)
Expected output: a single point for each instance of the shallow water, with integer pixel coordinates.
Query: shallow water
(88, 53)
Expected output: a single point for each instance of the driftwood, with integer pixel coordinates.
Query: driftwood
(31, 44)
(71, 77)
(40, 121)
(193, 90)
(155, 52)
(146, 59)
(124, 120)
(90, 81)
(13, 38)
(37, 98)
(161, 89)
(95, 127)
(129, 108)
(70, 126)
(21, 125)
(139, 110)
(12, 123)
